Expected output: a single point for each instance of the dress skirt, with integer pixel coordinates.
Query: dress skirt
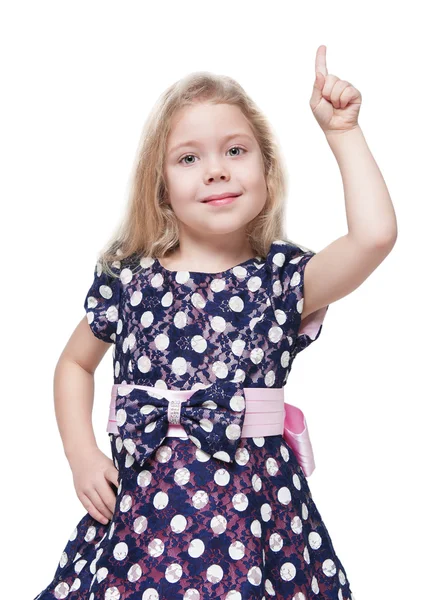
(187, 526)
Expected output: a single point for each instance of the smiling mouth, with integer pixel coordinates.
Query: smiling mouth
(220, 201)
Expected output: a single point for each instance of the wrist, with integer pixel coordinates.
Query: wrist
(80, 451)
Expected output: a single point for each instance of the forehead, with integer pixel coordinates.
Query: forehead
(207, 121)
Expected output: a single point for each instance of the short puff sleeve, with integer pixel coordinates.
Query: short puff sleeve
(102, 302)
(287, 263)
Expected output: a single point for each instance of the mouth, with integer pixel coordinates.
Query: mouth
(221, 200)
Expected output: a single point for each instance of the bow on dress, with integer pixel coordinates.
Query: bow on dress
(212, 417)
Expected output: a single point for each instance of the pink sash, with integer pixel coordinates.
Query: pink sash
(266, 414)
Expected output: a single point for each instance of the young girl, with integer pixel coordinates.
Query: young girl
(206, 305)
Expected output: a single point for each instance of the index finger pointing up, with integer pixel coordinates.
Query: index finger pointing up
(320, 61)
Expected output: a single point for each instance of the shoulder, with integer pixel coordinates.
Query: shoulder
(118, 269)
(286, 258)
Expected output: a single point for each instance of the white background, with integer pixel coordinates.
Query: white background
(79, 79)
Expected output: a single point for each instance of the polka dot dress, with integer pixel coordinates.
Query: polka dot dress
(186, 525)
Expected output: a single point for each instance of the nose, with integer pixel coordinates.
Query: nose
(218, 172)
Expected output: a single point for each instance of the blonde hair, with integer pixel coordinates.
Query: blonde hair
(150, 227)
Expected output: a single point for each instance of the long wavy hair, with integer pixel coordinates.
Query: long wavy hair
(149, 227)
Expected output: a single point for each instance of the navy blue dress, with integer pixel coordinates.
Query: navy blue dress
(187, 526)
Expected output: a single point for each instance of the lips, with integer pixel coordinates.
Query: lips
(220, 197)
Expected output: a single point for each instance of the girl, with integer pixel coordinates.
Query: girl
(206, 305)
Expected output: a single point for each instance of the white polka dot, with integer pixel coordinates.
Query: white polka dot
(296, 524)
(288, 571)
(144, 479)
(218, 324)
(150, 594)
(284, 453)
(269, 379)
(198, 301)
(242, 456)
(144, 364)
(222, 477)
(198, 344)
(182, 476)
(284, 359)
(140, 524)
(266, 512)
(314, 539)
(157, 280)
(257, 482)
(160, 500)
(329, 567)
(167, 299)
(254, 283)
(237, 550)
(206, 425)
(256, 355)
(275, 334)
(136, 298)
(256, 528)
(180, 319)
(112, 593)
(200, 499)
(179, 366)
(90, 534)
(269, 587)
(296, 481)
(163, 454)
(214, 574)
(196, 548)
(178, 524)
(237, 403)
(240, 272)
(233, 431)
(275, 542)
(134, 573)
(232, 595)
(155, 548)
(106, 292)
(146, 262)
(240, 501)
(254, 575)
(238, 347)
(236, 304)
(61, 590)
(284, 495)
(218, 524)
(147, 318)
(272, 466)
(125, 503)
(217, 285)
(126, 275)
(280, 316)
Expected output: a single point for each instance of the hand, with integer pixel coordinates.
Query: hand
(334, 102)
(92, 470)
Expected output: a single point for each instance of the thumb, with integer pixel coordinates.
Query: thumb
(317, 89)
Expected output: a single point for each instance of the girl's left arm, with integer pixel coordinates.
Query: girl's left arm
(347, 262)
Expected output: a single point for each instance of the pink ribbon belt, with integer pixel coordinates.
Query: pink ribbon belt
(214, 417)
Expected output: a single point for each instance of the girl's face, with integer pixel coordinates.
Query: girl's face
(201, 161)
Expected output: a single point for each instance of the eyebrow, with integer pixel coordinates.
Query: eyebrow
(230, 136)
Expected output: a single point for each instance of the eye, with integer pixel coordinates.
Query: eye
(237, 147)
(232, 148)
